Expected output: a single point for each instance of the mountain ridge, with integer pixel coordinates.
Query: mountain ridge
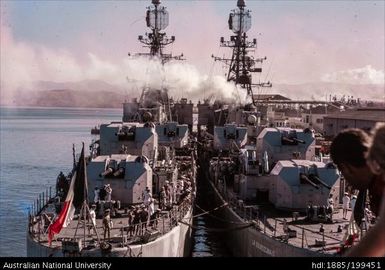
(100, 94)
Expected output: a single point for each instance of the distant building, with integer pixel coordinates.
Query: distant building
(284, 117)
(363, 118)
(314, 117)
(277, 115)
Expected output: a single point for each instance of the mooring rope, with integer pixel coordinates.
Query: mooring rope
(218, 218)
(244, 226)
(205, 212)
(241, 225)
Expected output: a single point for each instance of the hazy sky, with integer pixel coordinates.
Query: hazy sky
(304, 41)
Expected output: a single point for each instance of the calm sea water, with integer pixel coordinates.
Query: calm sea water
(208, 238)
(35, 145)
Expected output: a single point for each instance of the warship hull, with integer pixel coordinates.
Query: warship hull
(175, 243)
(250, 241)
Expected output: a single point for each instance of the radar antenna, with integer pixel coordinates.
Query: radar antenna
(157, 20)
(241, 65)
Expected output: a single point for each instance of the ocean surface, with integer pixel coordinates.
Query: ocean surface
(35, 145)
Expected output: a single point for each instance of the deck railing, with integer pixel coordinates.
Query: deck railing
(275, 228)
(38, 227)
(42, 199)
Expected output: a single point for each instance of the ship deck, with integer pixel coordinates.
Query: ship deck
(119, 234)
(307, 233)
(304, 233)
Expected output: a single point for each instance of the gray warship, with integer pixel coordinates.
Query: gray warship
(139, 177)
(273, 191)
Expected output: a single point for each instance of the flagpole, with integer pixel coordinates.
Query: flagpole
(84, 194)
(86, 209)
(73, 156)
(85, 220)
(83, 210)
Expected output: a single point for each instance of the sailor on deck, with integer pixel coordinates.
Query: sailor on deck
(109, 192)
(163, 199)
(149, 201)
(96, 195)
(107, 224)
(93, 219)
(353, 202)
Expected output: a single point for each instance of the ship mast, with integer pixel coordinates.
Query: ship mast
(157, 20)
(241, 65)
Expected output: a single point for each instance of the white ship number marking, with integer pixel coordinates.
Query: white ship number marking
(262, 248)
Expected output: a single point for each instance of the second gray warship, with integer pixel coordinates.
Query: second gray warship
(273, 191)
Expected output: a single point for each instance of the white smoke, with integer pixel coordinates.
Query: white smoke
(365, 75)
(181, 79)
(22, 65)
(184, 80)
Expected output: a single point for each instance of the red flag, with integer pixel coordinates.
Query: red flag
(76, 195)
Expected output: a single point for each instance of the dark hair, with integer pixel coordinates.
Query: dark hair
(376, 147)
(349, 146)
